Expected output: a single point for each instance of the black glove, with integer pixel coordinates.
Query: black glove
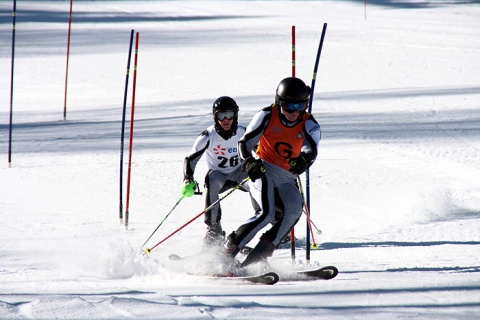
(298, 165)
(254, 168)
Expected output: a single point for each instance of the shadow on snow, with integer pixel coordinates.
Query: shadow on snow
(91, 132)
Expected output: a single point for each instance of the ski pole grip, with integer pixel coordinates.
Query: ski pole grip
(197, 189)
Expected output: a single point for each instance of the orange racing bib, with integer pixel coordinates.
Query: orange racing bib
(279, 143)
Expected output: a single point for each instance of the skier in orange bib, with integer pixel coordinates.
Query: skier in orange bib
(280, 143)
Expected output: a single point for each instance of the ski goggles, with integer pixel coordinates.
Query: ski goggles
(292, 107)
(222, 115)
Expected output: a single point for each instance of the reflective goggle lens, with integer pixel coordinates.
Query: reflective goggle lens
(221, 115)
(291, 107)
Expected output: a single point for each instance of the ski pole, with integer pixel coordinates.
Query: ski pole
(168, 214)
(197, 191)
(314, 245)
(149, 250)
(313, 224)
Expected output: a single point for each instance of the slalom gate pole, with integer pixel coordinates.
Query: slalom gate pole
(317, 60)
(14, 14)
(292, 232)
(149, 250)
(293, 51)
(365, 9)
(123, 127)
(68, 55)
(131, 132)
(168, 214)
(314, 78)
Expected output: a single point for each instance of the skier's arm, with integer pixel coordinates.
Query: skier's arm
(198, 148)
(254, 131)
(312, 134)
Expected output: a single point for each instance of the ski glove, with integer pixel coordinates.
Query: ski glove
(298, 165)
(254, 168)
(188, 188)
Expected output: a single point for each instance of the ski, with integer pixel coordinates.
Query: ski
(265, 278)
(325, 273)
(175, 257)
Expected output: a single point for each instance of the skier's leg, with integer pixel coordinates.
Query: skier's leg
(291, 201)
(262, 193)
(214, 182)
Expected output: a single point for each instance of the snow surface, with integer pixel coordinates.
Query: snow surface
(395, 189)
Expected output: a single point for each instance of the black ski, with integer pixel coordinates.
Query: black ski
(326, 273)
(265, 278)
(176, 257)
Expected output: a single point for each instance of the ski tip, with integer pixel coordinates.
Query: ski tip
(325, 273)
(329, 272)
(273, 277)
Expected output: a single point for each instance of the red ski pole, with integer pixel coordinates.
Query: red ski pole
(148, 250)
(307, 213)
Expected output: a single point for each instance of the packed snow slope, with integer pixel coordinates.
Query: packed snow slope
(395, 189)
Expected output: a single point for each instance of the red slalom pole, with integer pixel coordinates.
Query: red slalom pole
(131, 132)
(68, 55)
(292, 232)
(365, 9)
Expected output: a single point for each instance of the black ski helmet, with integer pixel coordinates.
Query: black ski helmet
(225, 103)
(292, 90)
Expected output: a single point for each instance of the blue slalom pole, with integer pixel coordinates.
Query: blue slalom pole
(11, 87)
(307, 176)
(123, 127)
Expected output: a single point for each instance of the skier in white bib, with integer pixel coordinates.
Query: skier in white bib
(219, 142)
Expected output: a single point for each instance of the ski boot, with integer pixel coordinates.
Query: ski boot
(214, 236)
(261, 252)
